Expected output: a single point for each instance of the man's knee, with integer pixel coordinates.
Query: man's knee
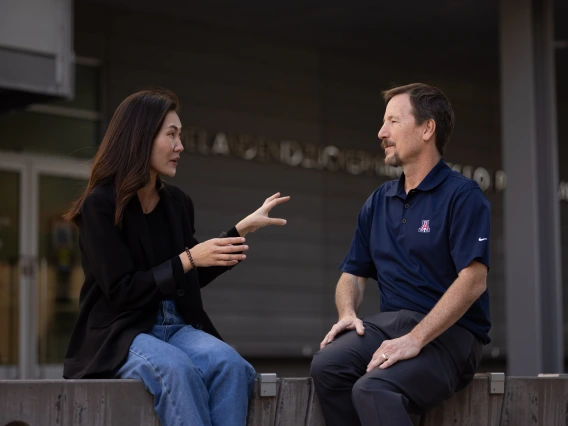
(331, 368)
(317, 366)
(321, 365)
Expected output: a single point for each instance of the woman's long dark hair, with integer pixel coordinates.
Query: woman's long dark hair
(123, 157)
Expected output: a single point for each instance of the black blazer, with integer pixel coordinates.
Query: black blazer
(121, 294)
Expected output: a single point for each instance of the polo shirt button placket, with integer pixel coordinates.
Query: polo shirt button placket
(403, 220)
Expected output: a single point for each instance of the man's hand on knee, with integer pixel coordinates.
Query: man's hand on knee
(392, 351)
(346, 323)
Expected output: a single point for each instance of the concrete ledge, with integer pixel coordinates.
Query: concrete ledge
(535, 401)
(474, 406)
(523, 401)
(76, 402)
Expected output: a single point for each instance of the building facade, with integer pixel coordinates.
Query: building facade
(262, 112)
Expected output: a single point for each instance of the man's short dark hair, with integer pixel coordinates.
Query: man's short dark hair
(428, 102)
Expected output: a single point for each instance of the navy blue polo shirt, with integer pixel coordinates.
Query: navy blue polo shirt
(415, 244)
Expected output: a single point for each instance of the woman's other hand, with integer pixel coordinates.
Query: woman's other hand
(259, 218)
(216, 252)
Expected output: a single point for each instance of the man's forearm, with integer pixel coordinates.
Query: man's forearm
(465, 290)
(349, 294)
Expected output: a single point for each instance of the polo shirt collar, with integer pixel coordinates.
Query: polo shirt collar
(434, 178)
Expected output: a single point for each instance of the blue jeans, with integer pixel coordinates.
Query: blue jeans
(196, 379)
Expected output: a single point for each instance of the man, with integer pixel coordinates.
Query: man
(425, 239)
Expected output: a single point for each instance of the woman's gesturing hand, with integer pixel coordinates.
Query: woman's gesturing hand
(259, 218)
(219, 252)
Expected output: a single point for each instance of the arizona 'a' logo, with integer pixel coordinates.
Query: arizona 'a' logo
(425, 226)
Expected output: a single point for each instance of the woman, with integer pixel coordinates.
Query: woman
(141, 314)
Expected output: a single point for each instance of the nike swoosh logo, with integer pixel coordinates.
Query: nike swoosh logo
(482, 239)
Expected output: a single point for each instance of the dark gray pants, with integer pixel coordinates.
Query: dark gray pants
(351, 397)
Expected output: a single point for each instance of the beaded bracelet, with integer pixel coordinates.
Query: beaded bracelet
(190, 258)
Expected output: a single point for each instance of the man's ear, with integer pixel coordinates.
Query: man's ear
(429, 130)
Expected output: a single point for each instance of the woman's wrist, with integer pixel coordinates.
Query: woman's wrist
(243, 228)
(185, 262)
(190, 257)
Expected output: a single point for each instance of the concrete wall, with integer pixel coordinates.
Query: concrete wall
(514, 401)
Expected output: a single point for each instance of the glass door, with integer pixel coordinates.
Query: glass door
(9, 270)
(60, 276)
(60, 273)
(40, 272)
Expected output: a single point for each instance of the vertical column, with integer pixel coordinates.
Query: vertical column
(532, 224)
